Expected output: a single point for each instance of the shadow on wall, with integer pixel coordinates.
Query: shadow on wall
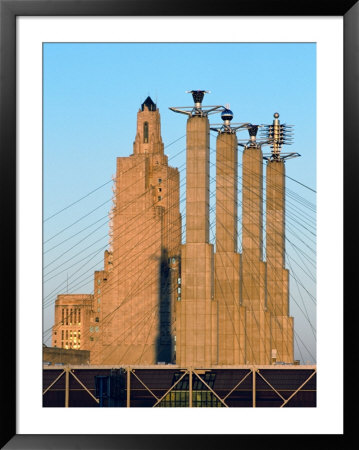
(164, 341)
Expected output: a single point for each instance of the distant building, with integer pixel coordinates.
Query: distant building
(73, 315)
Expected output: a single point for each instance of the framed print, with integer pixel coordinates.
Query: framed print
(74, 74)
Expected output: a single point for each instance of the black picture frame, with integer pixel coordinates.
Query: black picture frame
(9, 10)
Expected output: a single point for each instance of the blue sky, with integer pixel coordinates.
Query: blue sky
(92, 93)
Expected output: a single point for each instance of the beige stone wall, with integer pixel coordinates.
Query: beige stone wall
(197, 180)
(226, 192)
(138, 302)
(252, 204)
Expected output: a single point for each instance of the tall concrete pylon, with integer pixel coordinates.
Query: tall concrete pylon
(253, 278)
(196, 313)
(282, 325)
(231, 315)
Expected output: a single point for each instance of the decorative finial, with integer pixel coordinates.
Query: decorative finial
(227, 115)
(197, 109)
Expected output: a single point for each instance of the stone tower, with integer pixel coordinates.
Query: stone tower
(135, 295)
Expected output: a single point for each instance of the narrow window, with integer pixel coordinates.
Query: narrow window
(145, 132)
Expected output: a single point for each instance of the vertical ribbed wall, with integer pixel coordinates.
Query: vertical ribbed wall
(197, 310)
(231, 316)
(277, 275)
(253, 268)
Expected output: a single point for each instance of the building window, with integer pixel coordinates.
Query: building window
(145, 132)
(160, 180)
(62, 334)
(63, 316)
(159, 189)
(159, 198)
(97, 319)
(79, 316)
(98, 281)
(67, 316)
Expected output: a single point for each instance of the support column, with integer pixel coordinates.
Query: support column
(253, 268)
(67, 387)
(128, 388)
(231, 316)
(277, 275)
(197, 333)
(190, 386)
(197, 182)
(254, 387)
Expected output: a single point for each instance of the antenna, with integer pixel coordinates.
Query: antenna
(277, 135)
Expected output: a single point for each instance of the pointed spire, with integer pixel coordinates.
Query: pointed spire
(150, 105)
